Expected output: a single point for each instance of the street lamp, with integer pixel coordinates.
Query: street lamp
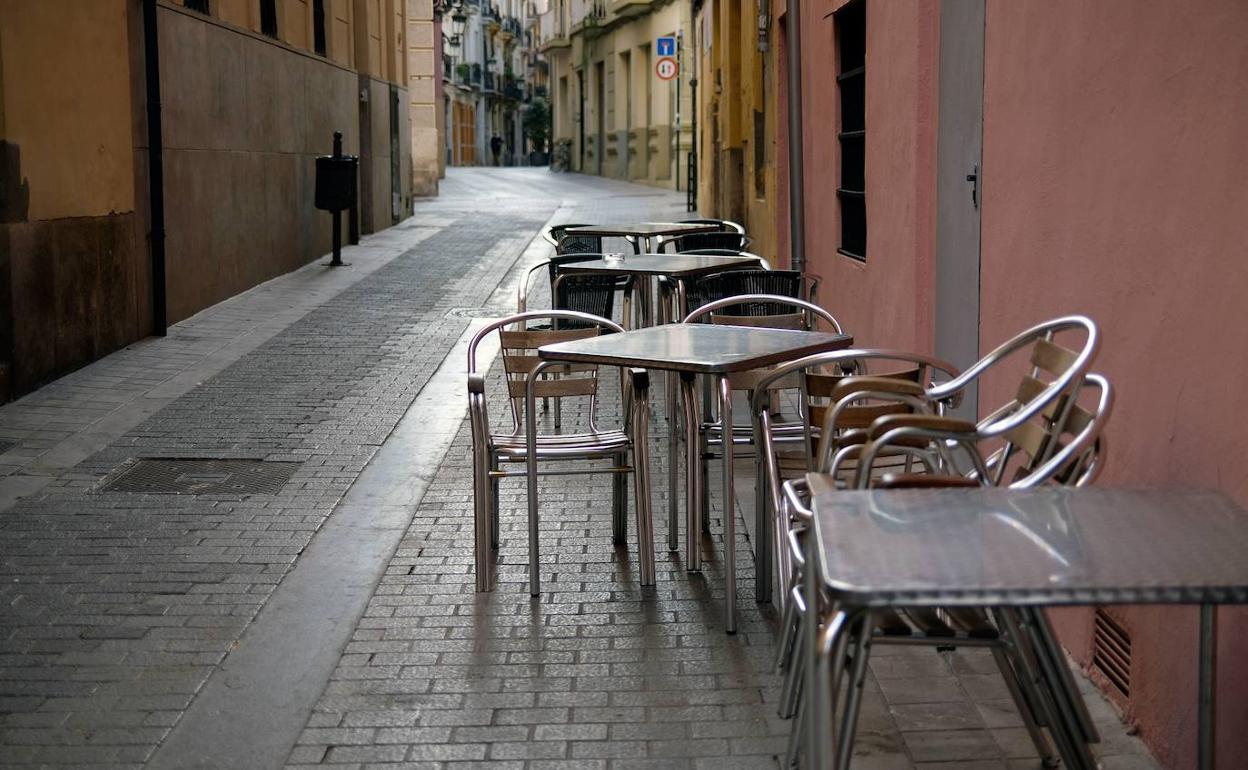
(458, 19)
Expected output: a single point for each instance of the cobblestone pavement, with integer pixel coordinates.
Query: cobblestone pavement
(119, 610)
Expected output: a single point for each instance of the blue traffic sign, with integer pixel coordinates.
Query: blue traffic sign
(666, 46)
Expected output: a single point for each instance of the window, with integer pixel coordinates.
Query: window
(268, 17)
(851, 80)
(197, 5)
(318, 26)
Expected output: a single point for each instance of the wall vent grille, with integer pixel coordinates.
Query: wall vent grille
(1111, 651)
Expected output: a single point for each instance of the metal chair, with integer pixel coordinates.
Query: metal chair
(582, 293)
(729, 235)
(523, 444)
(785, 313)
(556, 235)
(789, 450)
(1031, 428)
(1026, 426)
(731, 283)
(1021, 640)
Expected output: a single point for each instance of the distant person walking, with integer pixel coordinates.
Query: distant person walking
(496, 147)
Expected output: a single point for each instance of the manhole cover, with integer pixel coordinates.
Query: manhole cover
(475, 312)
(202, 477)
(6, 445)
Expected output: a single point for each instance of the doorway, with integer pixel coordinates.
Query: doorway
(959, 186)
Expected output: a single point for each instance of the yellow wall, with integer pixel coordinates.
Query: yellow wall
(737, 152)
(65, 72)
(642, 135)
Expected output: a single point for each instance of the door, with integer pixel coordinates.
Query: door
(958, 185)
(600, 141)
(396, 167)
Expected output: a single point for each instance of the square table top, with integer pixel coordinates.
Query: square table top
(699, 348)
(1044, 546)
(643, 229)
(673, 265)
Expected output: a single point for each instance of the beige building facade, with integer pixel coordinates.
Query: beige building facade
(251, 92)
(614, 114)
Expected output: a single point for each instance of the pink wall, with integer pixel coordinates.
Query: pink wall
(1115, 183)
(886, 301)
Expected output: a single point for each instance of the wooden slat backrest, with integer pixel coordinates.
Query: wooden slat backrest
(534, 339)
(519, 359)
(794, 321)
(833, 388)
(1051, 357)
(565, 386)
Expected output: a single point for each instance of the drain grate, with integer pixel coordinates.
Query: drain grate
(202, 477)
(1111, 651)
(6, 445)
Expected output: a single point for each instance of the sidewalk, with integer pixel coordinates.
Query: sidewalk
(334, 621)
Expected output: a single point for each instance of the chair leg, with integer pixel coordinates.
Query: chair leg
(853, 699)
(823, 690)
(704, 468)
(619, 503)
(483, 554)
(1032, 677)
(1026, 709)
(797, 735)
(494, 505)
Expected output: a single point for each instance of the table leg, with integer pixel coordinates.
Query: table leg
(673, 472)
(693, 480)
(730, 509)
(1207, 713)
(641, 477)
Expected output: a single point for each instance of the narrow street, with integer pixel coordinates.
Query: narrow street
(317, 607)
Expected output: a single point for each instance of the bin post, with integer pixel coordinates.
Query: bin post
(336, 189)
(336, 260)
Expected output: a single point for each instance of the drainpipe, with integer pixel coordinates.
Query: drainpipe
(797, 184)
(155, 167)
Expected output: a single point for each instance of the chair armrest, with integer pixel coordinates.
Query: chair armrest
(865, 382)
(476, 383)
(925, 481)
(954, 427)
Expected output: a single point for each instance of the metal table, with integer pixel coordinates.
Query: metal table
(690, 350)
(643, 267)
(1034, 548)
(644, 231)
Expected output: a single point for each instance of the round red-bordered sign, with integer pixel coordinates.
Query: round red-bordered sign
(666, 68)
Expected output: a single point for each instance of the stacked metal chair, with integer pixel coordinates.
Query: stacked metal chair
(1046, 437)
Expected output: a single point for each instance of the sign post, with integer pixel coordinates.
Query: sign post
(667, 67)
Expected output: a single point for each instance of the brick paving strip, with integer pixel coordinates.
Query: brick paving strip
(118, 607)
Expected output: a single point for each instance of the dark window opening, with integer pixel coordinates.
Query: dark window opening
(268, 17)
(198, 5)
(851, 82)
(760, 154)
(318, 26)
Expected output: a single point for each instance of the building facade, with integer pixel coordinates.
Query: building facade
(489, 62)
(616, 110)
(251, 91)
(425, 95)
(973, 167)
(738, 82)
